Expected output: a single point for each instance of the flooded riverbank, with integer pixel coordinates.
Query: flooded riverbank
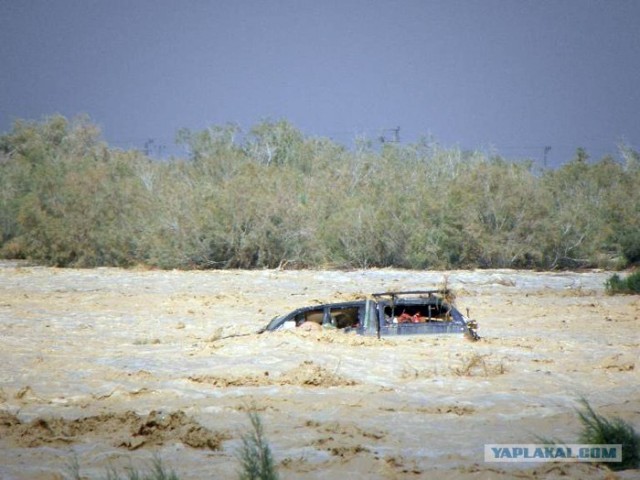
(89, 359)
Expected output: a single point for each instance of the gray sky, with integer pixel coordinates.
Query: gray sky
(513, 75)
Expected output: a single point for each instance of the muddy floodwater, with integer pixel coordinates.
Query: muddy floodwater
(111, 367)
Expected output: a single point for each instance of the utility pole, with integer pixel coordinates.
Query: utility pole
(396, 135)
(147, 147)
(547, 149)
(152, 148)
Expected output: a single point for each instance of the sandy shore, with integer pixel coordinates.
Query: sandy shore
(112, 366)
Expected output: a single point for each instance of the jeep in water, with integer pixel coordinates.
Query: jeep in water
(384, 314)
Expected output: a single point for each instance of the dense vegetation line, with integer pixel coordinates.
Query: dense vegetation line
(280, 198)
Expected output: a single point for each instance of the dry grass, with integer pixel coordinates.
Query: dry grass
(474, 364)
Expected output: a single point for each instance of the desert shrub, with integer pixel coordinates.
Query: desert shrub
(155, 471)
(503, 212)
(631, 284)
(614, 284)
(256, 460)
(596, 429)
(629, 241)
(279, 198)
(599, 430)
(594, 205)
(70, 198)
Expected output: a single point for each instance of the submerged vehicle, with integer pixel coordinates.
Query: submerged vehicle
(384, 314)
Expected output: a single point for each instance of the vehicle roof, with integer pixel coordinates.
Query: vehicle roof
(411, 292)
(351, 303)
(377, 297)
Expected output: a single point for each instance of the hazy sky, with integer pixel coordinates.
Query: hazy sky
(512, 75)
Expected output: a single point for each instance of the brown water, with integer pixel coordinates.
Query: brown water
(112, 366)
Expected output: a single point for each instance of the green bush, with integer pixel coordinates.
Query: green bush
(255, 455)
(279, 198)
(631, 284)
(599, 430)
(156, 471)
(602, 431)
